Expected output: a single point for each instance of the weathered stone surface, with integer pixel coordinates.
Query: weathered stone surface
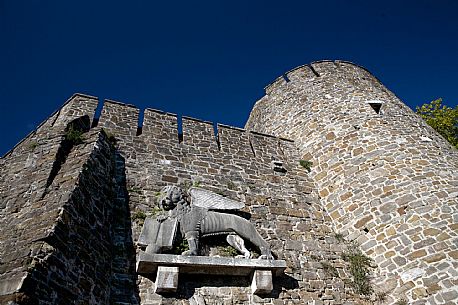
(262, 282)
(166, 279)
(61, 227)
(71, 213)
(148, 263)
(381, 172)
(199, 212)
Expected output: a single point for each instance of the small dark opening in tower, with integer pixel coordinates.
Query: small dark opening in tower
(376, 107)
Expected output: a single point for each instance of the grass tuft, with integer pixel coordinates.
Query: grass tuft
(359, 269)
(306, 164)
(74, 136)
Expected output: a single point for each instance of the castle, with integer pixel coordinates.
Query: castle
(328, 156)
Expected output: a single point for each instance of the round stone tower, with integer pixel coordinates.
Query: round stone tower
(386, 178)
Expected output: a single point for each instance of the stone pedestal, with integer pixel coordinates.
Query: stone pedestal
(166, 279)
(168, 267)
(262, 282)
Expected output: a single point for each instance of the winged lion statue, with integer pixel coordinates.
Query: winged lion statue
(197, 213)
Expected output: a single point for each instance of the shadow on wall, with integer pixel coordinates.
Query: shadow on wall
(123, 286)
(189, 284)
(72, 137)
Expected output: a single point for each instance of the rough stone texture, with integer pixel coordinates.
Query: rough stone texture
(56, 213)
(386, 179)
(148, 264)
(283, 205)
(167, 279)
(70, 214)
(262, 282)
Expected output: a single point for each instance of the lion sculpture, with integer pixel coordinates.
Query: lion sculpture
(197, 213)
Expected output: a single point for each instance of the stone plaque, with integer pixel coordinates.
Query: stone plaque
(166, 279)
(262, 282)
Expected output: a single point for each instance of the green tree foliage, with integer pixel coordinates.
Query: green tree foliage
(442, 118)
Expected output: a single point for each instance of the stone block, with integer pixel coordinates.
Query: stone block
(435, 258)
(453, 254)
(450, 295)
(166, 279)
(417, 254)
(262, 282)
(148, 263)
(419, 292)
(11, 285)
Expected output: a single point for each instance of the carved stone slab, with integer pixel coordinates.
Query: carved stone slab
(149, 263)
(166, 279)
(161, 234)
(168, 267)
(262, 282)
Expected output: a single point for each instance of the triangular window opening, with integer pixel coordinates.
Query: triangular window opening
(376, 107)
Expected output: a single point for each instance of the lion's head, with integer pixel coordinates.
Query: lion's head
(170, 196)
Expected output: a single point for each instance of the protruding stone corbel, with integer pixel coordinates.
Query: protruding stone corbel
(166, 279)
(262, 282)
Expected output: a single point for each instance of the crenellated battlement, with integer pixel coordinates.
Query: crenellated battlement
(130, 161)
(318, 69)
(160, 125)
(121, 120)
(375, 174)
(199, 133)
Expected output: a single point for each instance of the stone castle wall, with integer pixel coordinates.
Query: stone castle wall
(56, 214)
(284, 206)
(72, 214)
(386, 178)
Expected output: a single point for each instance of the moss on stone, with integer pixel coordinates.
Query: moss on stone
(306, 164)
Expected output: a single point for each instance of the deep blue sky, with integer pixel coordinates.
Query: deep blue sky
(211, 59)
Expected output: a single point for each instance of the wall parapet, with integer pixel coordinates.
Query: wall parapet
(121, 120)
(311, 71)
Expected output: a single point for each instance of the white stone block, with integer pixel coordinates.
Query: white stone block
(166, 279)
(262, 282)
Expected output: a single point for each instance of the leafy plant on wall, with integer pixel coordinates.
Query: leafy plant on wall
(442, 118)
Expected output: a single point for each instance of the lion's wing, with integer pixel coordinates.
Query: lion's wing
(209, 200)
